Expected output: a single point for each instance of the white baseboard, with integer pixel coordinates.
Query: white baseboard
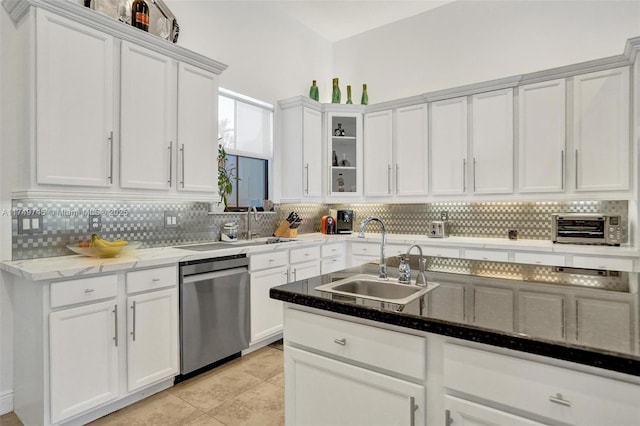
(6, 402)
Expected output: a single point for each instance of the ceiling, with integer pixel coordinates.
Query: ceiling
(336, 20)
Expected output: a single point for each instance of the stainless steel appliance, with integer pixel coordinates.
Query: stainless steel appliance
(586, 228)
(344, 220)
(214, 311)
(438, 229)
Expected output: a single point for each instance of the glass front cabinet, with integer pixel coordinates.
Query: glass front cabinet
(344, 135)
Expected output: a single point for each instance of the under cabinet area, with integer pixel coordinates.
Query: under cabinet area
(339, 372)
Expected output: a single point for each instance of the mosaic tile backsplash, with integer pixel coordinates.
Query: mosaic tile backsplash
(67, 222)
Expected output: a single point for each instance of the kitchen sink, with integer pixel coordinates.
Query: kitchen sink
(372, 288)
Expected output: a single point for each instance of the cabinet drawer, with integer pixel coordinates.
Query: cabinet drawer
(439, 251)
(83, 290)
(304, 254)
(567, 396)
(609, 263)
(490, 255)
(268, 260)
(539, 259)
(365, 249)
(394, 250)
(151, 279)
(388, 350)
(332, 264)
(330, 250)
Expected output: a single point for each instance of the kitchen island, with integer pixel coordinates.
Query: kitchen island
(428, 370)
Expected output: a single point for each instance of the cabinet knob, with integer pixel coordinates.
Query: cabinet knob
(340, 342)
(558, 399)
(88, 290)
(155, 280)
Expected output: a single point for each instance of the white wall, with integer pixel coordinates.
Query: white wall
(270, 56)
(473, 41)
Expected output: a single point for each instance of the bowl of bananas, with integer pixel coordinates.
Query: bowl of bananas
(100, 247)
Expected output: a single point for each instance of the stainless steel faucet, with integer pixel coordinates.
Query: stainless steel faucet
(251, 234)
(421, 279)
(383, 264)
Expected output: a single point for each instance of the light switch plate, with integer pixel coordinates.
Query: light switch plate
(171, 219)
(30, 224)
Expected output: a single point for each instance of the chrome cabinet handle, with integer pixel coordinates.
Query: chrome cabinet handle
(412, 410)
(170, 164)
(133, 331)
(559, 400)
(562, 169)
(182, 159)
(295, 275)
(155, 280)
(306, 168)
(389, 179)
(115, 316)
(397, 174)
(576, 169)
(341, 342)
(88, 290)
(110, 177)
(447, 418)
(464, 175)
(474, 174)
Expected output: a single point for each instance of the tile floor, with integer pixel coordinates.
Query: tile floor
(247, 391)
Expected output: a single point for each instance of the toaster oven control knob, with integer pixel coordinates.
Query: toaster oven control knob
(611, 229)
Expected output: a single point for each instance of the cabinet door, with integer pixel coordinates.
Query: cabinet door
(604, 324)
(312, 152)
(266, 313)
(345, 154)
(378, 153)
(146, 118)
(459, 412)
(601, 130)
(83, 358)
(197, 129)
(492, 141)
(449, 146)
(541, 315)
(542, 137)
(74, 98)
(306, 270)
(493, 307)
(322, 391)
(447, 302)
(411, 151)
(152, 346)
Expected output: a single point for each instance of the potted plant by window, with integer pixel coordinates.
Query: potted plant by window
(226, 175)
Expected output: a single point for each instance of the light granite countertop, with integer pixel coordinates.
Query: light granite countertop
(52, 268)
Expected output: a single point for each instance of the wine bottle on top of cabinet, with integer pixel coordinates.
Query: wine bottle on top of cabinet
(140, 14)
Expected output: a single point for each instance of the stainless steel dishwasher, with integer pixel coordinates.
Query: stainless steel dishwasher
(214, 311)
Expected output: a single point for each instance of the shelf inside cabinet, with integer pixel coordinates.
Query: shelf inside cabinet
(343, 168)
(344, 138)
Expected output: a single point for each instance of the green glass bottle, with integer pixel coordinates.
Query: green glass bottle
(313, 91)
(365, 96)
(349, 101)
(335, 96)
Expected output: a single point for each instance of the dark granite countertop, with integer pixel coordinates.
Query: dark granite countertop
(594, 354)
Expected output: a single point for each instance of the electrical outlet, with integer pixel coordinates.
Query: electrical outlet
(444, 215)
(171, 219)
(95, 223)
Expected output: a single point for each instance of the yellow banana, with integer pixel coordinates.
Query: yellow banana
(97, 241)
(106, 248)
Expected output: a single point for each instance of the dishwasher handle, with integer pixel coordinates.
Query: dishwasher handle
(212, 275)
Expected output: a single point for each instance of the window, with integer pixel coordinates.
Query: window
(245, 130)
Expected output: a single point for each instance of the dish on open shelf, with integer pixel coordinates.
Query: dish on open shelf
(103, 252)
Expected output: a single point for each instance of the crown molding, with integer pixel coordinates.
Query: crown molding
(348, 108)
(17, 9)
(397, 103)
(473, 89)
(631, 49)
(303, 101)
(576, 69)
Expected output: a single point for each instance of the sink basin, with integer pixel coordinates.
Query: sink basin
(372, 288)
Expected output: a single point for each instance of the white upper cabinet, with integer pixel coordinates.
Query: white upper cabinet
(601, 130)
(448, 146)
(74, 103)
(411, 151)
(300, 151)
(542, 137)
(344, 129)
(197, 129)
(146, 118)
(492, 142)
(378, 153)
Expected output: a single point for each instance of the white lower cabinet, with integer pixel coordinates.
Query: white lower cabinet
(460, 412)
(322, 391)
(152, 346)
(341, 373)
(266, 313)
(447, 302)
(491, 305)
(84, 358)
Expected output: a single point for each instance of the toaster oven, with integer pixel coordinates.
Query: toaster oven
(586, 228)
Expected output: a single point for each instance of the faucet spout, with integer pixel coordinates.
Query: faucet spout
(383, 264)
(251, 234)
(421, 279)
